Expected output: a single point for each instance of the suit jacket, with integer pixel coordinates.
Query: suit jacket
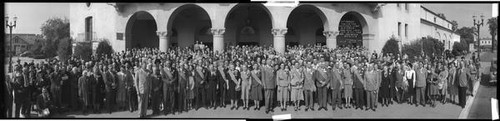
(421, 77)
(336, 78)
(268, 77)
(321, 78)
(309, 80)
(109, 80)
(371, 81)
(142, 83)
(84, 89)
(358, 81)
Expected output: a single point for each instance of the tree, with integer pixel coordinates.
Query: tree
(493, 27)
(64, 51)
(454, 25)
(391, 46)
(54, 30)
(104, 48)
(83, 50)
(467, 34)
(441, 15)
(459, 48)
(430, 47)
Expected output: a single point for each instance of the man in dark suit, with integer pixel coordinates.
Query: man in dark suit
(269, 85)
(321, 79)
(336, 84)
(156, 94)
(109, 81)
(168, 87)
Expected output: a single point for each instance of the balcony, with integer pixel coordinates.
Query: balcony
(86, 37)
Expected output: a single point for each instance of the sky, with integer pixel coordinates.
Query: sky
(463, 12)
(31, 16)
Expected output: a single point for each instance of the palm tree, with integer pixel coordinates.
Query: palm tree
(493, 24)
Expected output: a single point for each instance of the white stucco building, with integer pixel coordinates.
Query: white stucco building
(164, 25)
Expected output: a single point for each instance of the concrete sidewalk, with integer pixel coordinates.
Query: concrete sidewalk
(479, 106)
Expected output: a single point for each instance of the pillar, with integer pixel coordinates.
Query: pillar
(279, 40)
(218, 43)
(331, 39)
(163, 41)
(366, 43)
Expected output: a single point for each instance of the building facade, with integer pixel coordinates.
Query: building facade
(22, 42)
(486, 43)
(165, 25)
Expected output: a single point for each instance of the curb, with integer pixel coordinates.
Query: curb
(464, 114)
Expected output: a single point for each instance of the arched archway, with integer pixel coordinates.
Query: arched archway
(308, 23)
(191, 23)
(352, 27)
(140, 31)
(248, 24)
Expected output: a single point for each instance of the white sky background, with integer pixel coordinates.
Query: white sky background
(31, 16)
(463, 12)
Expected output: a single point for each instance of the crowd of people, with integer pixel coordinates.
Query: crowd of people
(247, 77)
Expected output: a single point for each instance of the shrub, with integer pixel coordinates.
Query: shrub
(391, 46)
(83, 50)
(65, 50)
(431, 48)
(104, 48)
(458, 48)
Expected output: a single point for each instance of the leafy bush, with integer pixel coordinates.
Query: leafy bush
(459, 48)
(83, 50)
(65, 50)
(391, 46)
(431, 48)
(104, 48)
(413, 49)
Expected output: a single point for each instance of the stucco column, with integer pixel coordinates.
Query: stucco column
(279, 40)
(366, 43)
(218, 43)
(163, 41)
(331, 39)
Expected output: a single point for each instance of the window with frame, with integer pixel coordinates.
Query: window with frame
(399, 29)
(406, 30)
(88, 28)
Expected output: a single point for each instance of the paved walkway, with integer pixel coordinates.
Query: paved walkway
(481, 105)
(447, 111)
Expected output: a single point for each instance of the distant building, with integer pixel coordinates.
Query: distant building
(23, 42)
(485, 43)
